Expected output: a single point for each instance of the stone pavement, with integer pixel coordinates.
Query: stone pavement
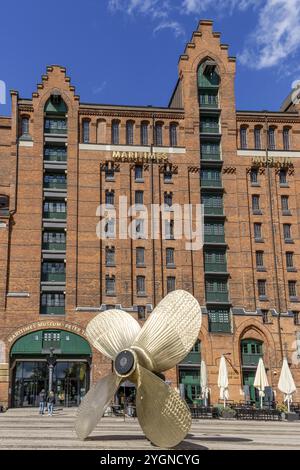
(25, 429)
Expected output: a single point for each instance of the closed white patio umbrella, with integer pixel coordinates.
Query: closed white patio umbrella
(261, 380)
(204, 383)
(286, 383)
(223, 380)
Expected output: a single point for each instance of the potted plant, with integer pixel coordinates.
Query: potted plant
(282, 408)
(227, 413)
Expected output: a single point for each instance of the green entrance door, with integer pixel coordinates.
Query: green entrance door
(190, 377)
(248, 380)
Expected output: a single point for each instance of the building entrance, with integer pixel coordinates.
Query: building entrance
(70, 382)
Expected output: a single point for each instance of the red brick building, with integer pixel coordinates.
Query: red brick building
(58, 163)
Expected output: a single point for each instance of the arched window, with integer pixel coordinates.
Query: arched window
(4, 205)
(24, 126)
(101, 131)
(56, 105)
(271, 138)
(208, 75)
(173, 134)
(144, 133)
(115, 132)
(286, 138)
(159, 134)
(129, 132)
(243, 137)
(85, 131)
(257, 138)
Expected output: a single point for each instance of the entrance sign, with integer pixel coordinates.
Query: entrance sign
(46, 324)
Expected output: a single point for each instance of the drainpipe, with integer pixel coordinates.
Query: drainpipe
(273, 237)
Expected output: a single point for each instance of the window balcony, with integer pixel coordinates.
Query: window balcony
(210, 183)
(209, 210)
(52, 310)
(55, 156)
(209, 129)
(216, 267)
(250, 359)
(216, 296)
(53, 277)
(219, 327)
(60, 185)
(214, 238)
(55, 215)
(210, 156)
(53, 246)
(56, 126)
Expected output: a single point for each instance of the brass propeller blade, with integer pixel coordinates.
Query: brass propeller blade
(112, 331)
(94, 403)
(162, 414)
(170, 332)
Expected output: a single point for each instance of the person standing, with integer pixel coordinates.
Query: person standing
(42, 401)
(51, 401)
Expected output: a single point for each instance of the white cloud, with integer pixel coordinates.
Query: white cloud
(98, 89)
(199, 6)
(173, 25)
(276, 37)
(274, 40)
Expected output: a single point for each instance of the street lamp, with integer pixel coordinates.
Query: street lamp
(51, 361)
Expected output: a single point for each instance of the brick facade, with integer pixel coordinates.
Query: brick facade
(270, 319)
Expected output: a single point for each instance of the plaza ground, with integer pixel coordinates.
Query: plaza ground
(25, 429)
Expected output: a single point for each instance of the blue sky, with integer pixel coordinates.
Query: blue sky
(126, 51)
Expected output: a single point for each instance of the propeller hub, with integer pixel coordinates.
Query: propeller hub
(125, 363)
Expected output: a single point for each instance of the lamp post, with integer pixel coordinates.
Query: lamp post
(51, 361)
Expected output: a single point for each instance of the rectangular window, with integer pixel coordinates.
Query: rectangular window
(168, 199)
(109, 198)
(261, 285)
(140, 285)
(170, 256)
(169, 229)
(158, 134)
(144, 133)
(110, 285)
(171, 284)
(85, 131)
(285, 203)
(173, 135)
(271, 139)
(139, 197)
(289, 256)
(129, 132)
(286, 139)
(254, 176)
(257, 231)
(287, 232)
(141, 312)
(255, 203)
(110, 256)
(282, 177)
(259, 259)
(296, 318)
(257, 138)
(292, 289)
(115, 130)
(140, 256)
(243, 137)
(266, 316)
(167, 175)
(109, 173)
(138, 172)
(110, 228)
(139, 228)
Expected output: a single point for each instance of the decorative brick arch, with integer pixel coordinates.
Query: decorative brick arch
(205, 55)
(253, 329)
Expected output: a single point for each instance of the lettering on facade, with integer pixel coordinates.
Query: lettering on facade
(272, 161)
(120, 156)
(45, 324)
